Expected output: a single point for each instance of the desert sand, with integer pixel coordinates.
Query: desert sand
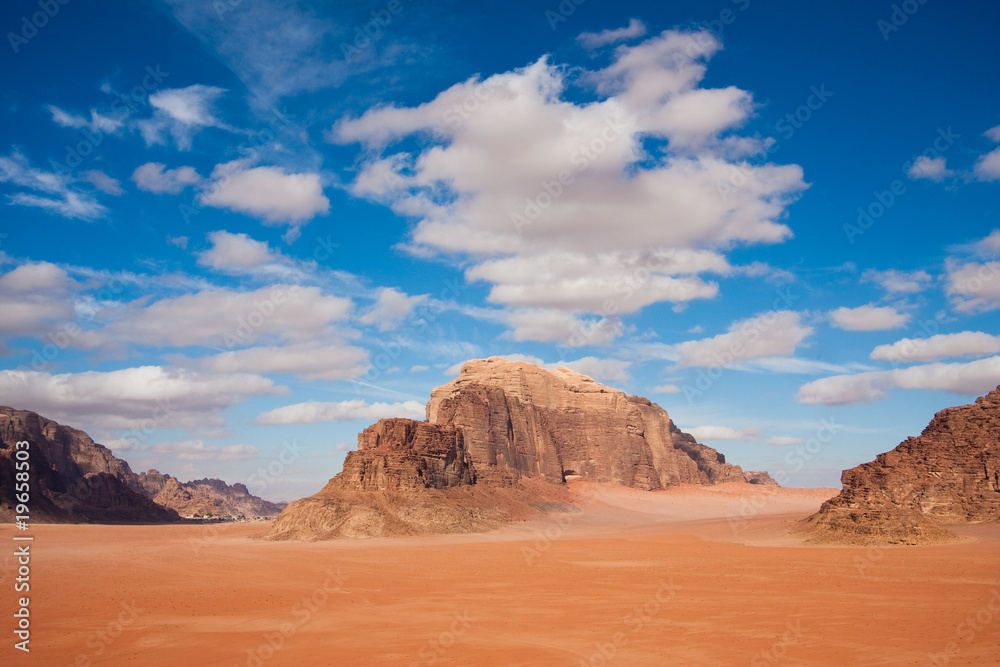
(689, 576)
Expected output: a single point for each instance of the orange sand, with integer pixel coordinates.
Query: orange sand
(693, 576)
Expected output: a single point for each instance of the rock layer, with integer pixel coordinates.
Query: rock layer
(498, 444)
(73, 479)
(950, 474)
(522, 420)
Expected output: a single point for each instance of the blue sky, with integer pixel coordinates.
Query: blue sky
(236, 233)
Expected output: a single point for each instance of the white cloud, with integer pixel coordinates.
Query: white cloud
(965, 343)
(931, 169)
(391, 307)
(102, 182)
(235, 251)
(223, 318)
(605, 370)
(547, 198)
(702, 433)
(896, 282)
(97, 122)
(550, 325)
(197, 450)
(145, 397)
(971, 378)
(785, 441)
(155, 177)
(868, 318)
(311, 412)
(987, 167)
(58, 196)
(595, 40)
(667, 389)
(771, 334)
(974, 287)
(309, 361)
(419, 369)
(268, 193)
(34, 298)
(180, 113)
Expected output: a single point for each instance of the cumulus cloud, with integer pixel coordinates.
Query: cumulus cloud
(551, 325)
(34, 298)
(155, 177)
(971, 378)
(595, 40)
(311, 412)
(223, 318)
(987, 167)
(268, 193)
(145, 397)
(868, 318)
(180, 113)
(940, 346)
(390, 308)
(973, 286)
(772, 334)
(898, 282)
(565, 206)
(931, 169)
(235, 251)
(49, 191)
(309, 361)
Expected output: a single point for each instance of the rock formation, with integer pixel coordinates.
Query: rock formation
(950, 474)
(73, 479)
(204, 497)
(500, 441)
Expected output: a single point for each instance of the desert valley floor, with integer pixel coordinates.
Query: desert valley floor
(690, 576)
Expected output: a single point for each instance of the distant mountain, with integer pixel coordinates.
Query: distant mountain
(75, 480)
(205, 497)
(72, 478)
(500, 441)
(950, 474)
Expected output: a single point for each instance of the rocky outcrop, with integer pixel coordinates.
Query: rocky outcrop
(404, 455)
(522, 420)
(950, 474)
(73, 479)
(499, 443)
(209, 498)
(759, 477)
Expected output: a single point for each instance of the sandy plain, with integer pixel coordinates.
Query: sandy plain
(690, 576)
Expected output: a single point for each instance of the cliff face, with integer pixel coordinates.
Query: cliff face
(204, 497)
(949, 474)
(522, 420)
(498, 443)
(73, 479)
